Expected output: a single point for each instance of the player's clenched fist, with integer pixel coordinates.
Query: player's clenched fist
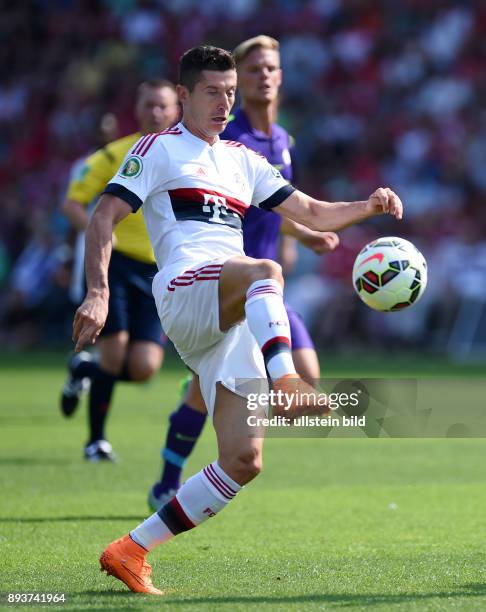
(385, 201)
(89, 320)
(321, 242)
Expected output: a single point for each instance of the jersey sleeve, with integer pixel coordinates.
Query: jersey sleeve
(140, 176)
(270, 188)
(90, 179)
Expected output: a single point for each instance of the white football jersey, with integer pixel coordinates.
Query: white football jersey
(195, 195)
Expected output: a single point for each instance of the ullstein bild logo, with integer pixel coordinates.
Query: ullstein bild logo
(306, 421)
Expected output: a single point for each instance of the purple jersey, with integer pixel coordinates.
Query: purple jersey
(260, 228)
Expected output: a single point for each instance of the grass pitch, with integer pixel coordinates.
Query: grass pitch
(342, 524)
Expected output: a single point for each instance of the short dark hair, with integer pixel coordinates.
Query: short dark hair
(154, 84)
(204, 57)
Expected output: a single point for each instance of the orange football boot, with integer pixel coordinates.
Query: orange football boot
(125, 559)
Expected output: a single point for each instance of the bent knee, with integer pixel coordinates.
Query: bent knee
(141, 370)
(266, 268)
(243, 467)
(142, 373)
(144, 362)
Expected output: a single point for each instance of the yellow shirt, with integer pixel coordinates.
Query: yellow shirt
(99, 168)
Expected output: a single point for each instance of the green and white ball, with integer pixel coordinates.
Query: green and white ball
(390, 274)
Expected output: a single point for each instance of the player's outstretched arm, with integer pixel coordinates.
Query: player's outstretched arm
(333, 216)
(90, 317)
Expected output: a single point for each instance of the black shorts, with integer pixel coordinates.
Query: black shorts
(132, 306)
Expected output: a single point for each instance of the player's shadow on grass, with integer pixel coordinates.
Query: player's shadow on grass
(342, 599)
(69, 519)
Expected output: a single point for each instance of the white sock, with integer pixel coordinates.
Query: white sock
(152, 532)
(269, 323)
(199, 498)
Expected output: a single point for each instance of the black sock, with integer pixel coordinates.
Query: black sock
(86, 369)
(99, 403)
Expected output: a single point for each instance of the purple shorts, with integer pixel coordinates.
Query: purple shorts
(298, 332)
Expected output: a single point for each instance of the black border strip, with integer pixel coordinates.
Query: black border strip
(124, 194)
(277, 198)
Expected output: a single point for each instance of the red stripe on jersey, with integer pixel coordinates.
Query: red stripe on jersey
(180, 283)
(139, 144)
(209, 269)
(173, 283)
(209, 272)
(191, 279)
(209, 266)
(153, 137)
(148, 144)
(197, 195)
(232, 143)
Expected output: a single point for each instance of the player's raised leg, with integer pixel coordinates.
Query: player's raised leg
(255, 287)
(201, 497)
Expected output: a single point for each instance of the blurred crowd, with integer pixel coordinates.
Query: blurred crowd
(391, 92)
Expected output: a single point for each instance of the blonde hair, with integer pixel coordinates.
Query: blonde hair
(258, 42)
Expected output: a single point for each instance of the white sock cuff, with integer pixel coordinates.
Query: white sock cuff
(152, 532)
(219, 483)
(222, 474)
(262, 288)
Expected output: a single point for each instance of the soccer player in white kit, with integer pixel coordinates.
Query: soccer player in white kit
(223, 311)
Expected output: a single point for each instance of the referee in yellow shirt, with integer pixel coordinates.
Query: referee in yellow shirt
(131, 342)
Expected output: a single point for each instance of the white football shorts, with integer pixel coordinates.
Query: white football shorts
(188, 307)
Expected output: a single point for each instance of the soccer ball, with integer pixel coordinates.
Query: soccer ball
(390, 274)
